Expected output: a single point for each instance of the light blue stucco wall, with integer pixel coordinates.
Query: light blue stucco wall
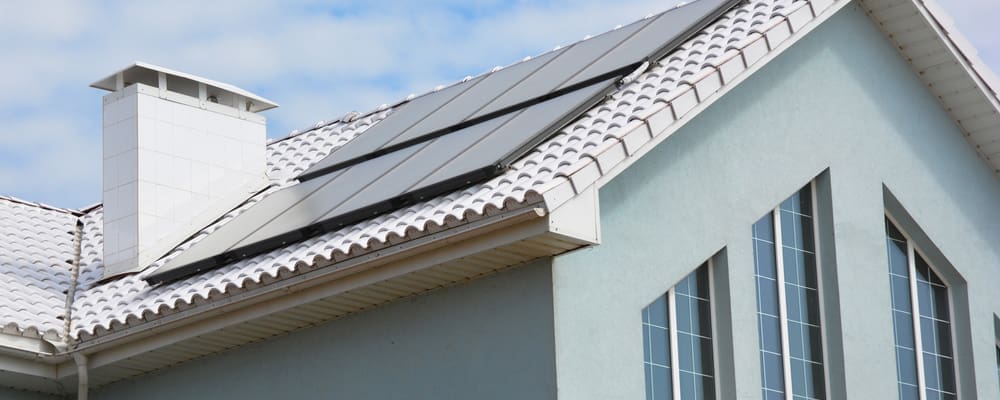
(843, 101)
(15, 394)
(490, 339)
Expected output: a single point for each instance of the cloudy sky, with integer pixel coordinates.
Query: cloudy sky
(318, 59)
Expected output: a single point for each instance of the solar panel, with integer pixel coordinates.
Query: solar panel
(443, 141)
(476, 97)
(399, 120)
(657, 38)
(381, 184)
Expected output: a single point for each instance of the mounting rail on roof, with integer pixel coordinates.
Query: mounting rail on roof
(445, 140)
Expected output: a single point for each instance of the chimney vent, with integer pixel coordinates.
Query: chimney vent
(179, 151)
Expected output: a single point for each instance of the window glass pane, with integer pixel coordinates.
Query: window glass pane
(900, 287)
(802, 296)
(767, 296)
(656, 350)
(692, 310)
(649, 379)
(932, 374)
(903, 326)
(771, 372)
(660, 386)
(770, 340)
(908, 392)
(934, 315)
(935, 331)
(799, 284)
(694, 337)
(893, 232)
(906, 366)
(902, 322)
(657, 312)
(769, 326)
(659, 346)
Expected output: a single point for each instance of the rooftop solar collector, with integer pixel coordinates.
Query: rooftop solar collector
(443, 141)
(383, 183)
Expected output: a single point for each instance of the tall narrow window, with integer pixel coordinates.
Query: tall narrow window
(677, 341)
(788, 301)
(924, 355)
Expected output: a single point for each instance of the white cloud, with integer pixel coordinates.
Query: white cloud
(317, 59)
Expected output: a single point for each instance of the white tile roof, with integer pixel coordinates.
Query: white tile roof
(288, 157)
(130, 300)
(608, 136)
(36, 253)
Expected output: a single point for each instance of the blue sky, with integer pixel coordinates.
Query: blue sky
(318, 59)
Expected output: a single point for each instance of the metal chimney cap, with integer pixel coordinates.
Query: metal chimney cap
(138, 69)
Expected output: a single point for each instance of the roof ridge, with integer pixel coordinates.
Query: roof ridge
(44, 206)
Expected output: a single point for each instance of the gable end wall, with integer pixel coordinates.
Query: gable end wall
(841, 100)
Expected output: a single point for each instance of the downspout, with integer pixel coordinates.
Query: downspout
(81, 375)
(79, 358)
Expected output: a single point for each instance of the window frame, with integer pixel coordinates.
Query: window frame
(912, 249)
(998, 361)
(672, 332)
(786, 357)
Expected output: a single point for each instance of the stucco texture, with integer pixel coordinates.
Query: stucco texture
(840, 104)
(490, 339)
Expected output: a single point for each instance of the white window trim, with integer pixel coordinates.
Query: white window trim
(918, 345)
(779, 257)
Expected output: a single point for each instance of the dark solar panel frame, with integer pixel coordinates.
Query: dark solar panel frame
(189, 263)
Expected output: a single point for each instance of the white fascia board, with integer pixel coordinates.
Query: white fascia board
(17, 343)
(26, 363)
(960, 49)
(968, 52)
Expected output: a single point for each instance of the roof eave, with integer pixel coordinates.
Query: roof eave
(982, 129)
(316, 294)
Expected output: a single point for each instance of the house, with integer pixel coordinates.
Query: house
(768, 199)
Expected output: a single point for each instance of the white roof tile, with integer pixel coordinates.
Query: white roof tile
(130, 299)
(36, 253)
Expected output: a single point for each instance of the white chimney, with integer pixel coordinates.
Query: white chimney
(179, 151)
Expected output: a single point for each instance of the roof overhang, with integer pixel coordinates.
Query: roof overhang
(320, 293)
(950, 67)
